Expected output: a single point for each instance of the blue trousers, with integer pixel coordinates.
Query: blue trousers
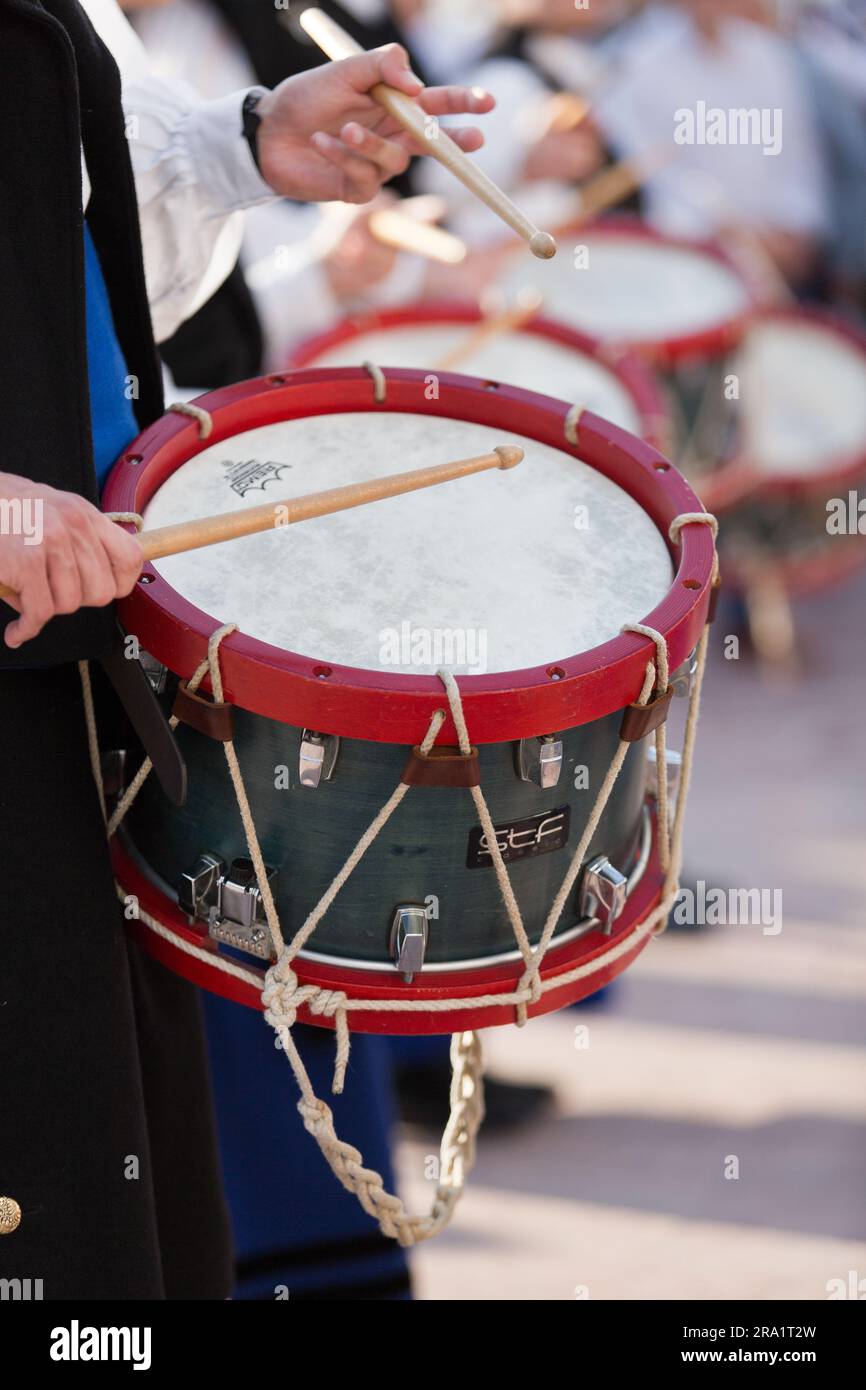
(297, 1231)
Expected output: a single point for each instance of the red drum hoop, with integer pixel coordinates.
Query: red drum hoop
(365, 704)
(629, 369)
(669, 351)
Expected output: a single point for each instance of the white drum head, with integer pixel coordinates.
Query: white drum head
(527, 360)
(802, 397)
(632, 289)
(522, 567)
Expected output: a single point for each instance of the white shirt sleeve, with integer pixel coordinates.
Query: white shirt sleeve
(194, 172)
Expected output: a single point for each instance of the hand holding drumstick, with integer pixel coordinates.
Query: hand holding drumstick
(78, 557)
(410, 115)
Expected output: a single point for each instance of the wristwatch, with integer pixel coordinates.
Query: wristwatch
(251, 120)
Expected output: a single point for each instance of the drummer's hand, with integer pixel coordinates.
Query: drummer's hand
(322, 137)
(568, 156)
(359, 261)
(64, 555)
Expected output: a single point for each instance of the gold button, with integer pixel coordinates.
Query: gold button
(10, 1216)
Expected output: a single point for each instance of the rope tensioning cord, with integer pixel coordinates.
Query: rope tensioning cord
(283, 995)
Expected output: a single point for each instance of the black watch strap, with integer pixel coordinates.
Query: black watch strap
(251, 120)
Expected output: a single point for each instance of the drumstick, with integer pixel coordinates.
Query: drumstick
(564, 112)
(337, 44)
(616, 183)
(509, 321)
(394, 228)
(227, 526)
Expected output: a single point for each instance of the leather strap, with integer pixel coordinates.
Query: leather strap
(136, 694)
(640, 720)
(207, 716)
(441, 767)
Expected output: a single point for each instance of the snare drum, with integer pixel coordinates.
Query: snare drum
(519, 583)
(800, 429)
(681, 305)
(542, 355)
(670, 299)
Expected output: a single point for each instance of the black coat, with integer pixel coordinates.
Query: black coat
(106, 1128)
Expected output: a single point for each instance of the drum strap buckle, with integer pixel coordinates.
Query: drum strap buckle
(210, 717)
(442, 767)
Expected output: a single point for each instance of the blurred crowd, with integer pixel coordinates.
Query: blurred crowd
(578, 88)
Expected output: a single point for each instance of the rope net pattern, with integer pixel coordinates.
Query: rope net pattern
(283, 995)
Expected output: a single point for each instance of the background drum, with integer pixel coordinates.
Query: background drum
(622, 282)
(681, 305)
(540, 355)
(799, 432)
(328, 700)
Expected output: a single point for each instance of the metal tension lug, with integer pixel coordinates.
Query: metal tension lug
(640, 720)
(681, 680)
(673, 763)
(409, 927)
(539, 760)
(602, 893)
(239, 916)
(197, 889)
(317, 758)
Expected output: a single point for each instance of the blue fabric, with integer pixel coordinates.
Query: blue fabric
(112, 418)
(294, 1224)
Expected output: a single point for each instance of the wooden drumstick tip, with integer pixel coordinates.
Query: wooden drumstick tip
(543, 246)
(510, 455)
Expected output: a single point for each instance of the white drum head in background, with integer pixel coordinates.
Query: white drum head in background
(528, 360)
(533, 564)
(633, 289)
(802, 403)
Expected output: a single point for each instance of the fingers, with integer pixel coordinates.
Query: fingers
(391, 65)
(390, 157)
(363, 162)
(64, 579)
(454, 101)
(84, 560)
(35, 605)
(123, 553)
(469, 138)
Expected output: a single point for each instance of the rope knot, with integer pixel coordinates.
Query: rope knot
(316, 1116)
(327, 1003)
(280, 995)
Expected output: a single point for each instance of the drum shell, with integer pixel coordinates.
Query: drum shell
(419, 857)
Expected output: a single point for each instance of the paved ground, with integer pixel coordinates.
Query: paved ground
(723, 1049)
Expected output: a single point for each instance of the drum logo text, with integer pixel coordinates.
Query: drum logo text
(521, 839)
(250, 475)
